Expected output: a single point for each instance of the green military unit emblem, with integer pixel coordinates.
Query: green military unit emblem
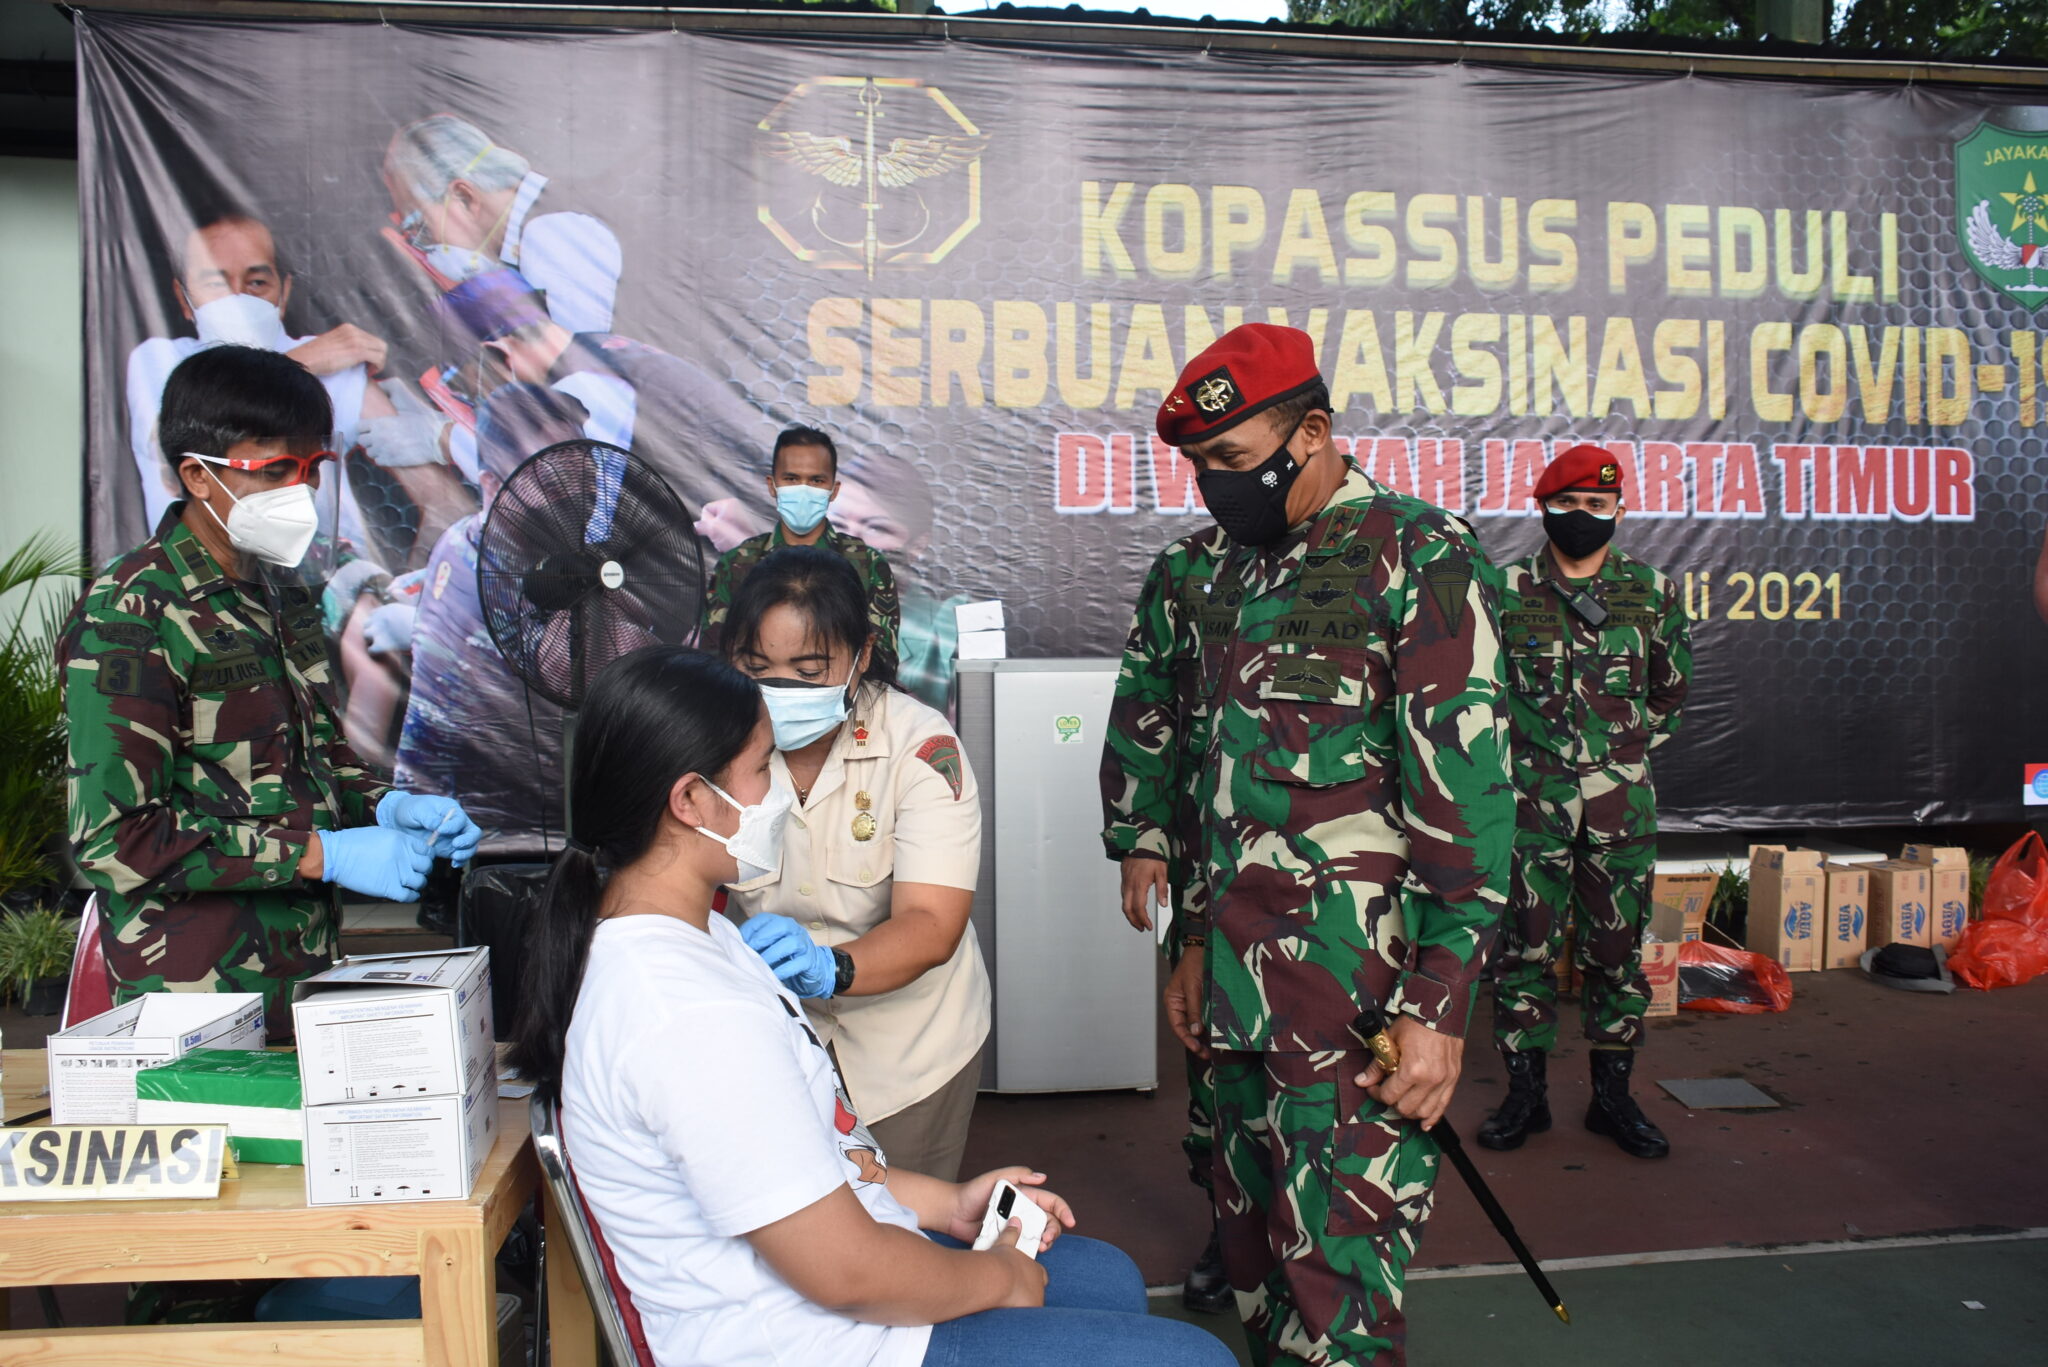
(2001, 195)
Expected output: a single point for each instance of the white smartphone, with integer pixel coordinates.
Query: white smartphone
(1007, 1203)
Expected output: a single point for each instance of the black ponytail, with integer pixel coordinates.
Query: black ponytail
(650, 718)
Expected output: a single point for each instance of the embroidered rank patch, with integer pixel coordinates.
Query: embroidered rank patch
(120, 675)
(134, 635)
(1449, 579)
(943, 754)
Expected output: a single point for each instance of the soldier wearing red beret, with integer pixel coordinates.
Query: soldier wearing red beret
(1598, 657)
(1356, 823)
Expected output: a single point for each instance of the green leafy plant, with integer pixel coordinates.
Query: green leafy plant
(1728, 912)
(31, 715)
(34, 945)
(1980, 874)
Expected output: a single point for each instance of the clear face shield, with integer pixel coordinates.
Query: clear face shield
(281, 513)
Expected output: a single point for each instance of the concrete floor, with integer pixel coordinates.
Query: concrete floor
(1904, 1115)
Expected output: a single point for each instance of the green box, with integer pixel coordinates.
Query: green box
(254, 1092)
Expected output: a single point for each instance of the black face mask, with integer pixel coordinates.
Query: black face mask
(1251, 505)
(1577, 533)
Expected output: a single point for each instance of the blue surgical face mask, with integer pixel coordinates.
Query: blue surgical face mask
(800, 712)
(801, 506)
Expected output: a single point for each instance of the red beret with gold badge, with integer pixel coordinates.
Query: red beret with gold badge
(1587, 469)
(1244, 372)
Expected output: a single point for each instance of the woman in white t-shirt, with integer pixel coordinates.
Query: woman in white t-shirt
(752, 1216)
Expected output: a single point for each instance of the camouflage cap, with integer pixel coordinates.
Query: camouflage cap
(1246, 371)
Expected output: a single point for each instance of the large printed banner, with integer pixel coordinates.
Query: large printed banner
(1804, 317)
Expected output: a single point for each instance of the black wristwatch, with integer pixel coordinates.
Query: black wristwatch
(842, 974)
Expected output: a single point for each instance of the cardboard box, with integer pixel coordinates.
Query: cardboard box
(1846, 917)
(409, 1149)
(1691, 893)
(1948, 896)
(1661, 939)
(1786, 891)
(983, 616)
(93, 1064)
(983, 645)
(254, 1092)
(395, 1025)
(1899, 895)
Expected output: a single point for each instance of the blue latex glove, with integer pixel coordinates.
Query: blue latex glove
(440, 821)
(804, 966)
(376, 862)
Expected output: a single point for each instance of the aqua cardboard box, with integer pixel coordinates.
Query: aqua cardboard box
(1846, 917)
(1786, 891)
(1948, 893)
(1899, 895)
(1661, 940)
(1691, 893)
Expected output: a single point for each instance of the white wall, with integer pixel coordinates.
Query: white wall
(41, 353)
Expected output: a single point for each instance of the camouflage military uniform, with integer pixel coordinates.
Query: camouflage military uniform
(1358, 828)
(1158, 733)
(1586, 705)
(884, 614)
(205, 747)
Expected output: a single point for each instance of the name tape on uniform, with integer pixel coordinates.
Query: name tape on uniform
(113, 1162)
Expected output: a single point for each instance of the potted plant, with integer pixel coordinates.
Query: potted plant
(35, 957)
(32, 721)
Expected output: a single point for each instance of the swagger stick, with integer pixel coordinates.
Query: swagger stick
(1371, 1029)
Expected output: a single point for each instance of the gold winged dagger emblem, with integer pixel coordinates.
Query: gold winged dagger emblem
(873, 171)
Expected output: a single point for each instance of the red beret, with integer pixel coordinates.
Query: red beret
(1591, 468)
(1245, 371)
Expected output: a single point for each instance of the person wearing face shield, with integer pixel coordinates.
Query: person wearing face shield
(232, 289)
(464, 205)
(1599, 654)
(803, 479)
(863, 910)
(1356, 822)
(214, 804)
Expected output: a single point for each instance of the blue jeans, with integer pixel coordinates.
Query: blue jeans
(1094, 1312)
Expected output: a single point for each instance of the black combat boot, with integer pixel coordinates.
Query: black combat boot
(1527, 1108)
(1207, 1289)
(1614, 1112)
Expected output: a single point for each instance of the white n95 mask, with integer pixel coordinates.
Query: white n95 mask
(241, 320)
(757, 845)
(277, 526)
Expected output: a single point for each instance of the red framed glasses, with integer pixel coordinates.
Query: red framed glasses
(301, 467)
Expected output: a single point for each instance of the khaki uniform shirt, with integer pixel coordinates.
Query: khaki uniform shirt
(922, 822)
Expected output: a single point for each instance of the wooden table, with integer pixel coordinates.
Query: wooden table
(261, 1227)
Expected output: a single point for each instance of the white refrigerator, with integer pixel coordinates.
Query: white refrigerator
(1076, 988)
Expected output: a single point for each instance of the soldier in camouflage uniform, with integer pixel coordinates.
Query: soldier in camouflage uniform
(214, 804)
(1357, 823)
(803, 479)
(1598, 653)
(1158, 733)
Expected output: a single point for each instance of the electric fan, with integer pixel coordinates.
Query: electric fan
(586, 555)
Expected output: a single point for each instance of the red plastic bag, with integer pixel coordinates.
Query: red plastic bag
(1733, 981)
(2010, 945)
